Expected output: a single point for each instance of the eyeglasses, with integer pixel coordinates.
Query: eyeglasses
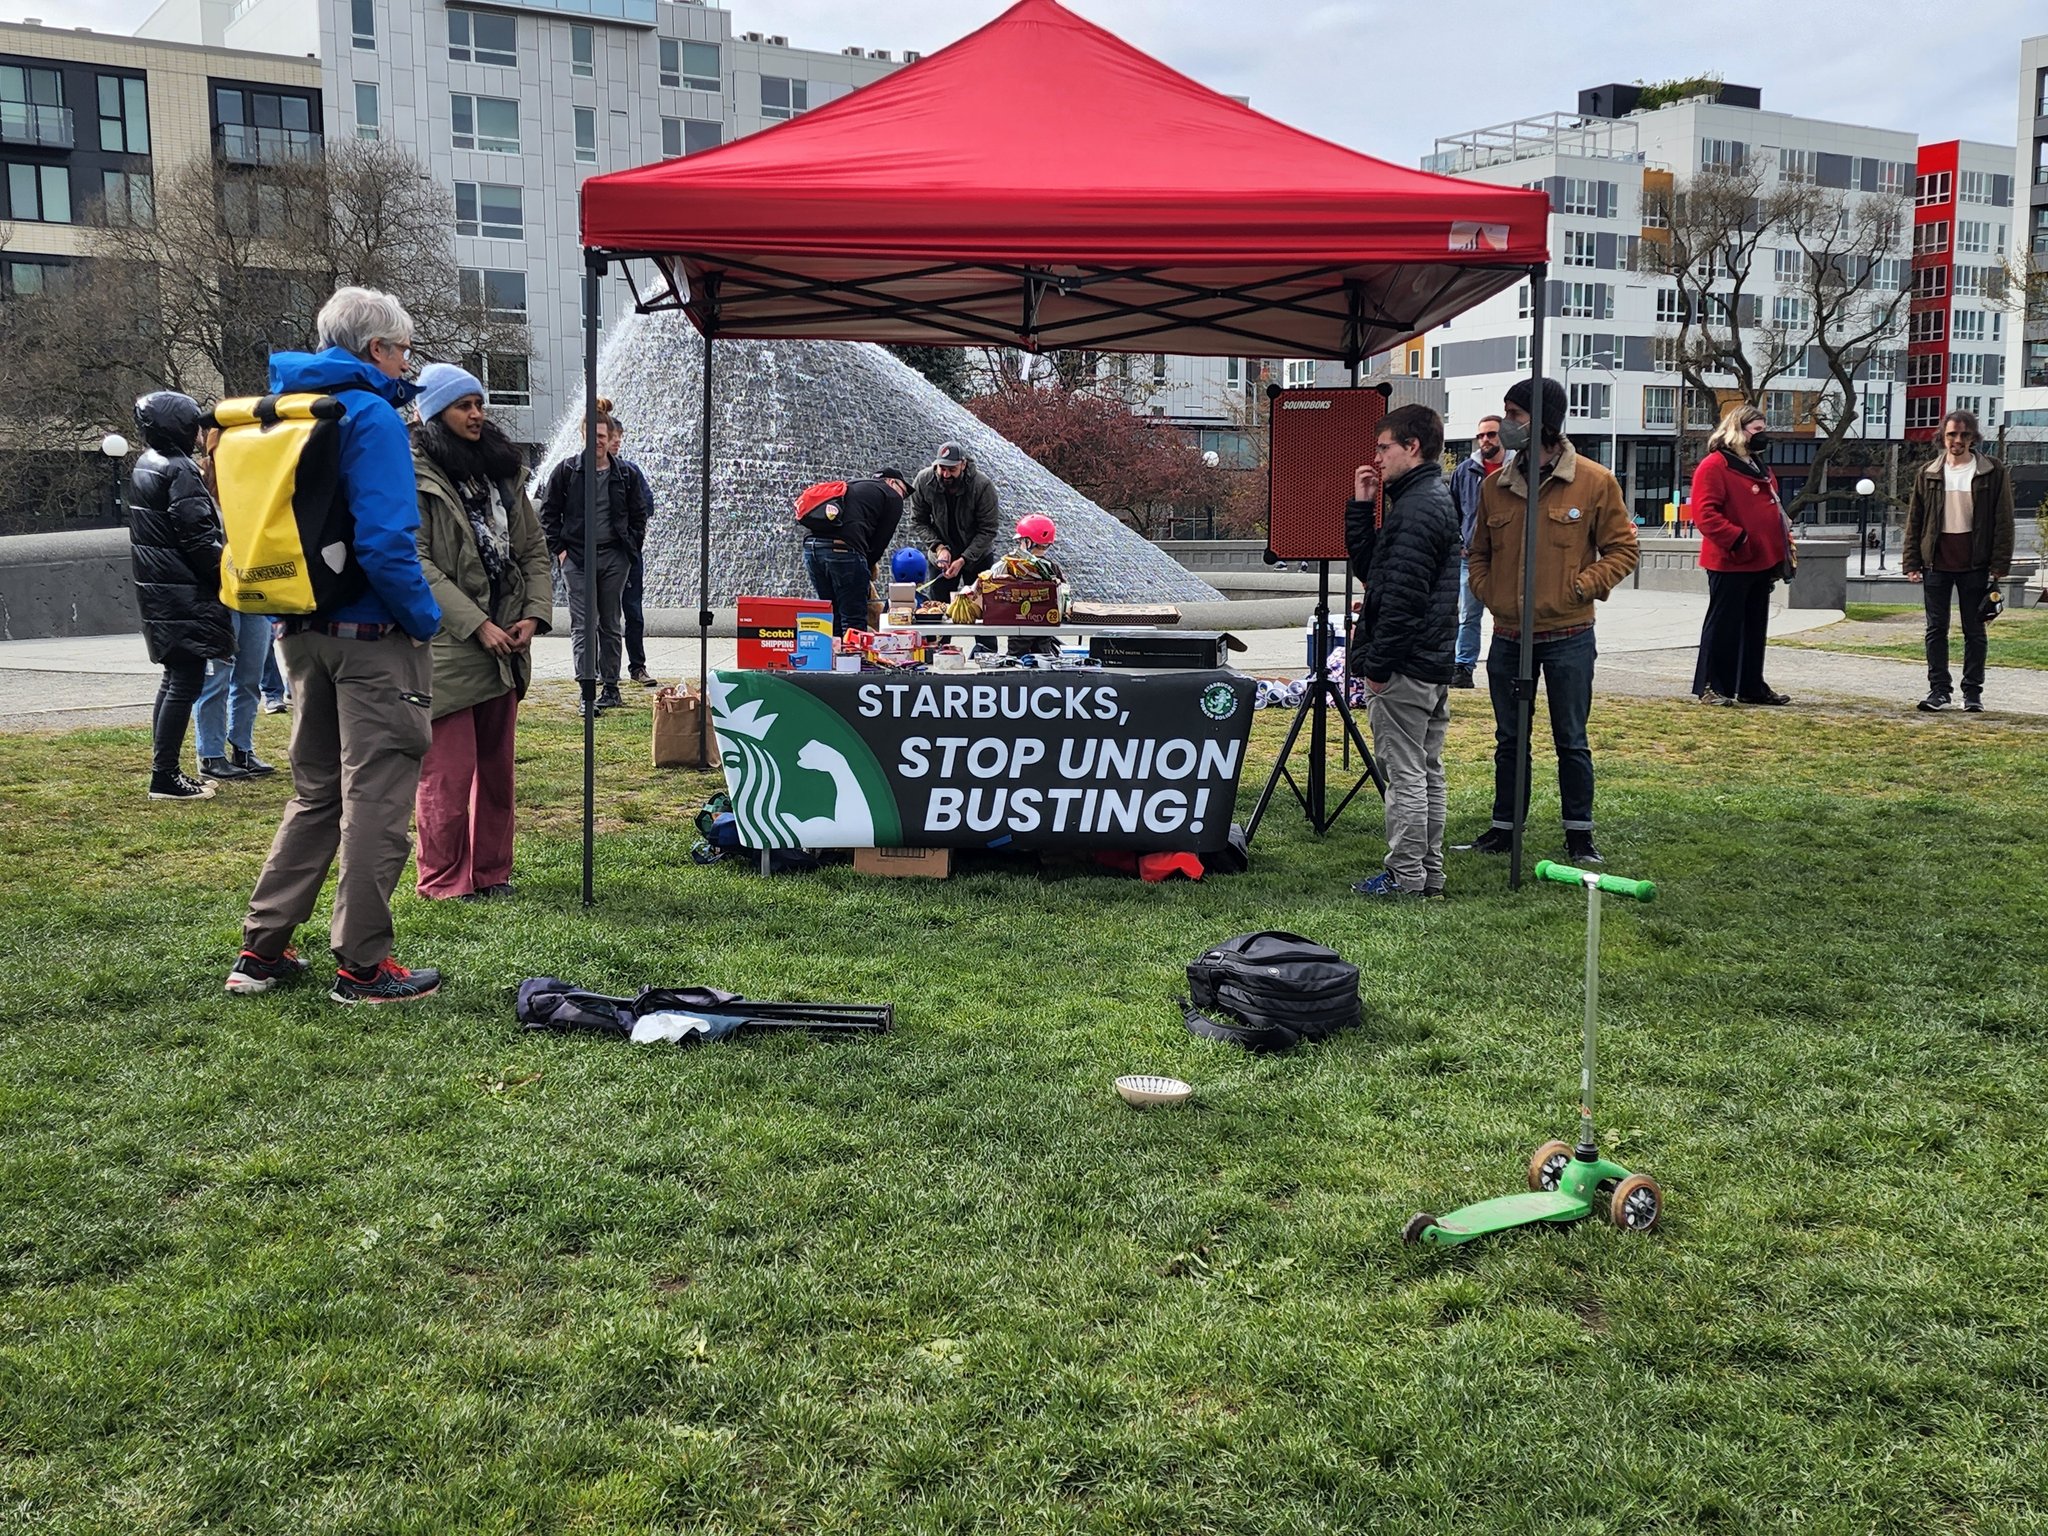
(1486, 434)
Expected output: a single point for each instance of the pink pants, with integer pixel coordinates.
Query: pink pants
(465, 800)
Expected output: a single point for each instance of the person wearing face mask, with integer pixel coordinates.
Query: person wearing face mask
(487, 561)
(1585, 545)
(1485, 459)
(1735, 506)
(1958, 542)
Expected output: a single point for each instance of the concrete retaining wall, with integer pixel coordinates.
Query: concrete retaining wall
(77, 582)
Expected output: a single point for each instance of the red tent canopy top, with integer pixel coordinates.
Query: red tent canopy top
(1041, 183)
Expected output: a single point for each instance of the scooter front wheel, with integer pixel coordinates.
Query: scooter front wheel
(1637, 1203)
(1418, 1224)
(1546, 1168)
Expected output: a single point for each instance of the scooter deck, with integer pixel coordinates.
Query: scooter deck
(1502, 1212)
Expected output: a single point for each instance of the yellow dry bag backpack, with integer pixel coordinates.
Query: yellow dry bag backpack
(290, 533)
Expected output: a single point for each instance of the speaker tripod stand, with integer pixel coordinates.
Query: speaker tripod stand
(1313, 796)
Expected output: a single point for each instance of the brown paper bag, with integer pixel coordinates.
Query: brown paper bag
(682, 736)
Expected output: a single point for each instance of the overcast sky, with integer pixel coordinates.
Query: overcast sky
(1387, 79)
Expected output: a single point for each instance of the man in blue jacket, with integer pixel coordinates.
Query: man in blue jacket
(361, 675)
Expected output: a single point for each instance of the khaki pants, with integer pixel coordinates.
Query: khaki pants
(1409, 718)
(360, 725)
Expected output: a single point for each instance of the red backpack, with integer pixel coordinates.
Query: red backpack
(817, 509)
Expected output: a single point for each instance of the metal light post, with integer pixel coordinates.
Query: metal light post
(1865, 488)
(115, 447)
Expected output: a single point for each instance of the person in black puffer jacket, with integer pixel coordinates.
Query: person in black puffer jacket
(175, 535)
(1406, 638)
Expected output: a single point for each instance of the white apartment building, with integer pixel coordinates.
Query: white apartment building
(510, 104)
(2025, 424)
(1603, 320)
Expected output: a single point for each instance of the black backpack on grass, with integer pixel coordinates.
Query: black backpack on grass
(1269, 991)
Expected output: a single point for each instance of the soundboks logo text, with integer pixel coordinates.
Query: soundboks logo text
(272, 572)
(1304, 405)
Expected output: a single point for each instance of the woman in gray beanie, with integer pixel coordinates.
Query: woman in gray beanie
(483, 554)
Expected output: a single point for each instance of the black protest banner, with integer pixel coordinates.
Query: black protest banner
(1079, 759)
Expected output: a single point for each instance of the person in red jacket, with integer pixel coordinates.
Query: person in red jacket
(1742, 544)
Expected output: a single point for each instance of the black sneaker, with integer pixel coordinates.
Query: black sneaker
(175, 786)
(253, 973)
(1492, 840)
(385, 982)
(1578, 847)
(1461, 677)
(1937, 700)
(640, 676)
(223, 770)
(609, 697)
(250, 763)
(1972, 704)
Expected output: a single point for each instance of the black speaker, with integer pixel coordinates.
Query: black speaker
(1318, 439)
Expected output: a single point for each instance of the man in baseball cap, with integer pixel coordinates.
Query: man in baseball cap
(955, 517)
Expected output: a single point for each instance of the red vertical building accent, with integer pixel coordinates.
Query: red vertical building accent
(1934, 204)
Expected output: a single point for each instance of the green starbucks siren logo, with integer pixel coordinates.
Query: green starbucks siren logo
(800, 776)
(1219, 701)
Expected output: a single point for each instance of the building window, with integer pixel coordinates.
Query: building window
(127, 200)
(1930, 283)
(124, 115)
(1882, 368)
(784, 98)
(1298, 373)
(1594, 199)
(1670, 311)
(38, 194)
(2034, 365)
(1660, 405)
(1969, 325)
(1930, 191)
(1664, 354)
(1923, 412)
(505, 377)
(363, 22)
(1701, 410)
(1575, 350)
(1877, 409)
(1521, 354)
(367, 116)
(1795, 167)
(692, 66)
(1974, 404)
(586, 135)
(1974, 187)
(582, 52)
(1589, 401)
(482, 37)
(1791, 311)
(1888, 274)
(1581, 248)
(1930, 239)
(688, 136)
(491, 211)
(1729, 155)
(1436, 362)
(32, 108)
(1522, 302)
(31, 279)
(489, 123)
(1966, 368)
(1892, 176)
(1930, 325)
(500, 295)
(1925, 368)
(263, 127)
(1973, 237)
(1781, 408)
(1579, 300)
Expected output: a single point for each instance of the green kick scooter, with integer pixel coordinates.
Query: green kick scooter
(1565, 1182)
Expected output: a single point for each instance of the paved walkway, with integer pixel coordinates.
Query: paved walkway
(1647, 641)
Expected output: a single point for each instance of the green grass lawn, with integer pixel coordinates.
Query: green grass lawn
(2018, 639)
(267, 1265)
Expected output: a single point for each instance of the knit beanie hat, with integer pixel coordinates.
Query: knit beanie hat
(441, 385)
(1554, 403)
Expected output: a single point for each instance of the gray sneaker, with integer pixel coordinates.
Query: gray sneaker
(1936, 700)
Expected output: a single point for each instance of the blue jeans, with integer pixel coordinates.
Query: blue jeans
(841, 578)
(226, 714)
(1470, 611)
(274, 690)
(1566, 667)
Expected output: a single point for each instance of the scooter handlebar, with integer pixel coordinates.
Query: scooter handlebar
(1614, 885)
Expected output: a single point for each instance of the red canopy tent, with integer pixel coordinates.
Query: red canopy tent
(1042, 184)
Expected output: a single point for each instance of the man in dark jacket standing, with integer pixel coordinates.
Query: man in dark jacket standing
(1958, 542)
(842, 561)
(175, 536)
(624, 505)
(955, 518)
(1406, 631)
(1467, 480)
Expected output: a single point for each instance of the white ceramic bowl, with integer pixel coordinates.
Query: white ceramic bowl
(1143, 1091)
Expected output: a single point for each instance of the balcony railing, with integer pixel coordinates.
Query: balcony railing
(246, 144)
(35, 127)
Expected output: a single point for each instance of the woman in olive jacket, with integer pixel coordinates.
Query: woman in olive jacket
(484, 556)
(175, 536)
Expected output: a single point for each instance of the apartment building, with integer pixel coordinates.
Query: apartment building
(1962, 233)
(2025, 423)
(510, 104)
(1609, 326)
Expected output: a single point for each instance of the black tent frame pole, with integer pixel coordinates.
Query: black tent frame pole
(586, 675)
(1345, 628)
(704, 567)
(1525, 671)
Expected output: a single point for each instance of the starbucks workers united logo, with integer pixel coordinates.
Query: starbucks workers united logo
(1219, 701)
